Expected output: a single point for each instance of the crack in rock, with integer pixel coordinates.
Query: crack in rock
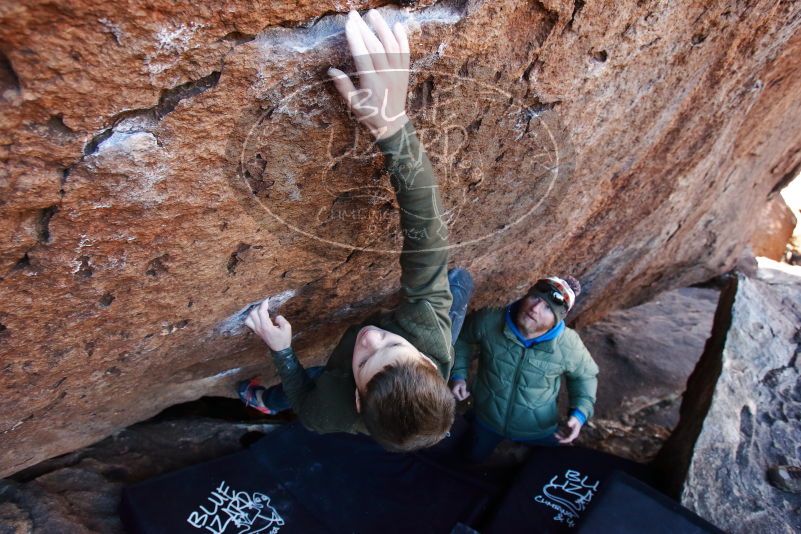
(145, 119)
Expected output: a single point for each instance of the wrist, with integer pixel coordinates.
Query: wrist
(281, 352)
(390, 144)
(393, 127)
(579, 416)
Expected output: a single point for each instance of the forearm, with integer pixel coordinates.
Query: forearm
(412, 177)
(581, 393)
(293, 377)
(425, 234)
(466, 346)
(461, 362)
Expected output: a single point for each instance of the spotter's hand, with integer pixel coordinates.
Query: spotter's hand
(382, 64)
(278, 335)
(459, 390)
(571, 432)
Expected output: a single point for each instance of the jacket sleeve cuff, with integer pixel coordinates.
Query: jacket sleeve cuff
(457, 376)
(283, 354)
(286, 362)
(391, 144)
(578, 414)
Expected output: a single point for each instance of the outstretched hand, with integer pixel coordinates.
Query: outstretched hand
(382, 64)
(278, 335)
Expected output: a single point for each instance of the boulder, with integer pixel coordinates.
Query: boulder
(167, 164)
(645, 353)
(792, 197)
(740, 415)
(80, 491)
(777, 224)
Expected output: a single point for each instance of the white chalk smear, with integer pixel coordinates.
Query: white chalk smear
(304, 39)
(127, 143)
(229, 372)
(235, 323)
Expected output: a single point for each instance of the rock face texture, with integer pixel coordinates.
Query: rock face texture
(774, 234)
(792, 197)
(165, 165)
(80, 492)
(645, 353)
(741, 413)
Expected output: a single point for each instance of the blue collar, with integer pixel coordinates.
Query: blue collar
(547, 336)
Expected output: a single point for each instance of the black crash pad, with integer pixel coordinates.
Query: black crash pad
(295, 481)
(555, 488)
(627, 506)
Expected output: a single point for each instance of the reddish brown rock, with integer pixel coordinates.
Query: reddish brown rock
(792, 196)
(777, 223)
(165, 165)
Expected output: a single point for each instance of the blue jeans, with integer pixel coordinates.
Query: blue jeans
(461, 285)
(481, 441)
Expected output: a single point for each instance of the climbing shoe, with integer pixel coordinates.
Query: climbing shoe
(249, 394)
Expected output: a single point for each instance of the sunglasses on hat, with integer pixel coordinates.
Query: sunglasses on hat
(546, 288)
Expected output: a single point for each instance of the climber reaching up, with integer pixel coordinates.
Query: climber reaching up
(387, 376)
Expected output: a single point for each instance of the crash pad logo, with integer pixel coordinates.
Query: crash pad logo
(236, 512)
(500, 156)
(567, 495)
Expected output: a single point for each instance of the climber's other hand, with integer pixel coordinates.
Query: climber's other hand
(277, 335)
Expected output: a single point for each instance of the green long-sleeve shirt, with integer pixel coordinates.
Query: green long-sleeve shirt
(328, 403)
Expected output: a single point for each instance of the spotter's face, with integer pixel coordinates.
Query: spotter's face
(534, 315)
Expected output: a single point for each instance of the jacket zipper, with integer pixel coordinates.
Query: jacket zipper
(514, 389)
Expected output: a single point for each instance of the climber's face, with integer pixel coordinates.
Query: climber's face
(534, 316)
(377, 348)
